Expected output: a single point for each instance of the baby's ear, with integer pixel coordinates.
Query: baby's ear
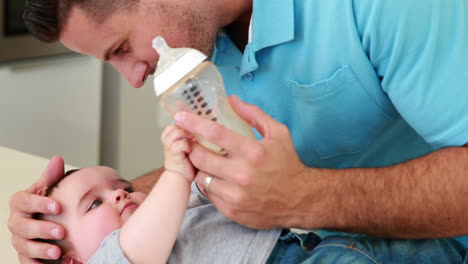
(70, 260)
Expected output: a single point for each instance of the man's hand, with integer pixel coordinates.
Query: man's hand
(24, 229)
(263, 184)
(258, 183)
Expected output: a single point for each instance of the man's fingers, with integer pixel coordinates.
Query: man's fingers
(219, 188)
(34, 249)
(253, 115)
(24, 202)
(28, 228)
(215, 164)
(243, 217)
(25, 260)
(53, 172)
(212, 131)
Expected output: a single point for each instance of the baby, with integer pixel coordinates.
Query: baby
(108, 222)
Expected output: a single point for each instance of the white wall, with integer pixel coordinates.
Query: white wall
(76, 107)
(52, 106)
(131, 126)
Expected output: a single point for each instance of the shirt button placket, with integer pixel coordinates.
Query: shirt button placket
(249, 76)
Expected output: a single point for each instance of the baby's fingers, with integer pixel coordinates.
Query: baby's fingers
(181, 146)
(173, 134)
(166, 132)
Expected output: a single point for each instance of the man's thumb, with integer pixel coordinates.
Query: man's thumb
(53, 172)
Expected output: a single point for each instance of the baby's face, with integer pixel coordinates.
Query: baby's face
(95, 201)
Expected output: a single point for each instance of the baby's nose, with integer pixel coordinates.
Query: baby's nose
(120, 194)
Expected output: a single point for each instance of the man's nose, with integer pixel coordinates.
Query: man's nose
(136, 73)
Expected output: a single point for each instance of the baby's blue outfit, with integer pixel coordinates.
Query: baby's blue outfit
(359, 83)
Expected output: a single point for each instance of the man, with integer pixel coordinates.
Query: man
(365, 124)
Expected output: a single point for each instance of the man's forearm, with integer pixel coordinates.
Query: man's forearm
(425, 197)
(146, 182)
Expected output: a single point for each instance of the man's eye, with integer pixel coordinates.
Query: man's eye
(95, 204)
(119, 50)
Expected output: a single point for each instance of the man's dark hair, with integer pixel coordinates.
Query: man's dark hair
(45, 19)
(63, 245)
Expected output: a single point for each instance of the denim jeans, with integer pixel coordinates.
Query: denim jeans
(310, 249)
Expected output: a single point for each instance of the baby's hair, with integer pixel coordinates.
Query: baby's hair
(61, 243)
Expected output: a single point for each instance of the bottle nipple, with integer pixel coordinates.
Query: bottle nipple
(160, 45)
(173, 64)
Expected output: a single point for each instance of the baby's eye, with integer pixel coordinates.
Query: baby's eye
(129, 189)
(95, 204)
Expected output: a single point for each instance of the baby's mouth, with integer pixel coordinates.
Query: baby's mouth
(129, 206)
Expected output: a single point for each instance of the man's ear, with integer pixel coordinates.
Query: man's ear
(71, 260)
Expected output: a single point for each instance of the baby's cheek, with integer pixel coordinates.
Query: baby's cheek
(96, 228)
(105, 221)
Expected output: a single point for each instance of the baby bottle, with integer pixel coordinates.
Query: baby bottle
(187, 82)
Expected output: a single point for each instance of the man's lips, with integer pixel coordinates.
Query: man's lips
(147, 73)
(145, 76)
(129, 206)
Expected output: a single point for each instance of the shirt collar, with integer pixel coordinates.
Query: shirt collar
(225, 53)
(272, 23)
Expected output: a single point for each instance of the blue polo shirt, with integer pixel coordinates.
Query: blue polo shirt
(363, 83)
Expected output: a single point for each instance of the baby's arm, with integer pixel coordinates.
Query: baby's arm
(149, 235)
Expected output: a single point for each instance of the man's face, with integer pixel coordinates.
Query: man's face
(95, 201)
(126, 37)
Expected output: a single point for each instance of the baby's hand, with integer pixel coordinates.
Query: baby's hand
(176, 147)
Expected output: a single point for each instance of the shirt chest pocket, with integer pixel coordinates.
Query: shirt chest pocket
(334, 116)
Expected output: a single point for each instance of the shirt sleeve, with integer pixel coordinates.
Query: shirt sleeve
(419, 49)
(109, 251)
